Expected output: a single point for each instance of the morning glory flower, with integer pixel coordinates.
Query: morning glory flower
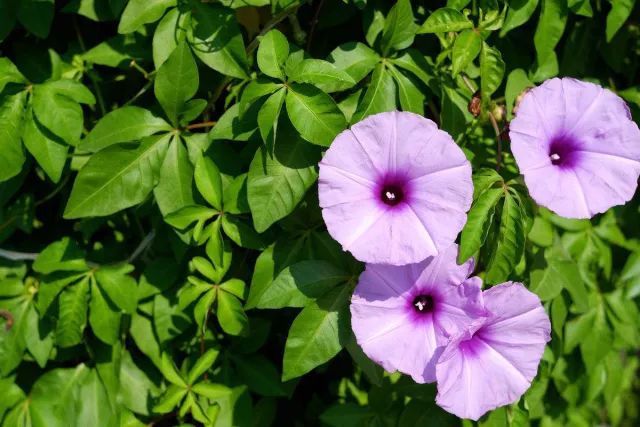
(394, 189)
(403, 316)
(577, 147)
(492, 363)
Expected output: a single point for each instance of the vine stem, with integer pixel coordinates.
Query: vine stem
(314, 22)
(498, 140)
(206, 124)
(94, 82)
(272, 23)
(31, 256)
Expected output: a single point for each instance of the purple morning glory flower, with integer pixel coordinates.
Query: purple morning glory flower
(492, 363)
(577, 147)
(403, 316)
(394, 189)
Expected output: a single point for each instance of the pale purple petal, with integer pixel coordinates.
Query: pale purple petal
(493, 363)
(577, 147)
(394, 189)
(392, 326)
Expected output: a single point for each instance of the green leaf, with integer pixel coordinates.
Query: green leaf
(300, 283)
(48, 150)
(399, 27)
(36, 16)
(235, 196)
(322, 74)
(182, 218)
(58, 113)
(277, 182)
(9, 73)
(73, 90)
(231, 316)
(519, 13)
(12, 111)
(509, 244)
(217, 39)
(445, 20)
(116, 178)
(269, 114)
(119, 286)
(517, 82)
(317, 333)
(95, 400)
(414, 62)
(314, 114)
(202, 365)
(174, 189)
(104, 317)
(379, 97)
(255, 90)
(597, 343)
(260, 375)
(411, 97)
(548, 283)
(209, 182)
(617, 16)
(273, 51)
(551, 25)
(72, 313)
(211, 391)
(126, 124)
(491, 70)
(63, 255)
(454, 114)
(170, 400)
(177, 81)
(170, 372)
(141, 12)
(355, 59)
(466, 48)
(171, 31)
(479, 222)
(232, 126)
(242, 233)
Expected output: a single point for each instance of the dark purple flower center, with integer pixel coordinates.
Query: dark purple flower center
(423, 303)
(563, 151)
(391, 194)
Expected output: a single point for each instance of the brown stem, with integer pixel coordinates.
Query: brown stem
(207, 124)
(314, 22)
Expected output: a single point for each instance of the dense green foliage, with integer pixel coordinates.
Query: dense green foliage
(164, 260)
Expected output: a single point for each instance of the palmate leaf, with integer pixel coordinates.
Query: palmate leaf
(466, 48)
(72, 313)
(445, 20)
(272, 54)
(177, 81)
(140, 12)
(379, 97)
(399, 27)
(12, 110)
(174, 190)
(479, 220)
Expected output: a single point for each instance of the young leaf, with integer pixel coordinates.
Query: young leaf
(202, 365)
(478, 223)
(209, 182)
(242, 233)
(466, 48)
(399, 27)
(170, 400)
(314, 114)
(491, 70)
(272, 54)
(317, 333)
(141, 12)
(176, 81)
(510, 241)
(116, 178)
(126, 124)
(445, 20)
